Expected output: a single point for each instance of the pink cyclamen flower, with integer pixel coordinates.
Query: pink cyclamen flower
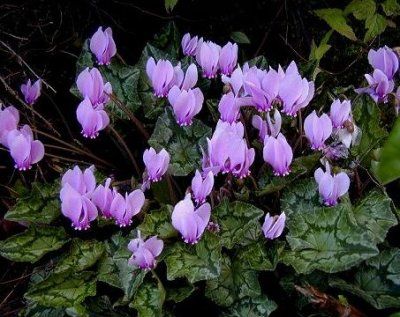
(295, 92)
(190, 44)
(201, 187)
(273, 225)
(379, 86)
(23, 148)
(207, 57)
(384, 59)
(317, 129)
(278, 153)
(190, 222)
(340, 112)
(331, 187)
(229, 108)
(187, 80)
(186, 104)
(92, 120)
(31, 92)
(163, 76)
(156, 164)
(9, 119)
(123, 209)
(77, 207)
(228, 58)
(91, 85)
(144, 253)
(102, 197)
(236, 81)
(270, 127)
(228, 151)
(84, 182)
(103, 46)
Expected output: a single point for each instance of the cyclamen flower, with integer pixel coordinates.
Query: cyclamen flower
(317, 129)
(23, 149)
(84, 182)
(340, 112)
(379, 86)
(9, 119)
(295, 93)
(228, 151)
(156, 163)
(236, 80)
(207, 57)
(102, 197)
(269, 127)
(273, 225)
(123, 209)
(189, 79)
(229, 108)
(91, 85)
(190, 44)
(331, 187)
(186, 104)
(278, 153)
(145, 252)
(77, 207)
(163, 76)
(31, 92)
(384, 59)
(228, 58)
(201, 188)
(92, 120)
(190, 222)
(103, 46)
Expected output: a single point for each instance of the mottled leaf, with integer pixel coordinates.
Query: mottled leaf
(158, 222)
(63, 289)
(182, 143)
(195, 262)
(149, 300)
(32, 244)
(337, 21)
(179, 293)
(260, 306)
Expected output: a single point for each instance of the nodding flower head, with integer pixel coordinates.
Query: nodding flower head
(201, 187)
(270, 127)
(317, 129)
(207, 57)
(103, 46)
(31, 92)
(156, 163)
(384, 59)
(228, 58)
(185, 104)
(91, 119)
(278, 153)
(145, 252)
(123, 209)
(91, 85)
(84, 182)
(190, 44)
(273, 225)
(340, 112)
(102, 197)
(9, 119)
(379, 86)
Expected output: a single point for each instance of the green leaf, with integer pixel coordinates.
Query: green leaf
(158, 222)
(32, 244)
(301, 166)
(389, 165)
(391, 7)
(101, 306)
(377, 281)
(375, 25)
(361, 9)
(85, 58)
(337, 21)
(182, 143)
(259, 61)
(39, 205)
(368, 118)
(170, 5)
(82, 255)
(317, 52)
(114, 269)
(63, 289)
(195, 262)
(234, 282)
(240, 37)
(235, 219)
(149, 300)
(332, 239)
(178, 294)
(260, 306)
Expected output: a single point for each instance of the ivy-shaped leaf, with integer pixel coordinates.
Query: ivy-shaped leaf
(234, 220)
(182, 143)
(195, 262)
(361, 9)
(149, 300)
(32, 244)
(39, 205)
(332, 239)
(82, 255)
(158, 222)
(337, 21)
(377, 281)
(114, 268)
(260, 306)
(63, 289)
